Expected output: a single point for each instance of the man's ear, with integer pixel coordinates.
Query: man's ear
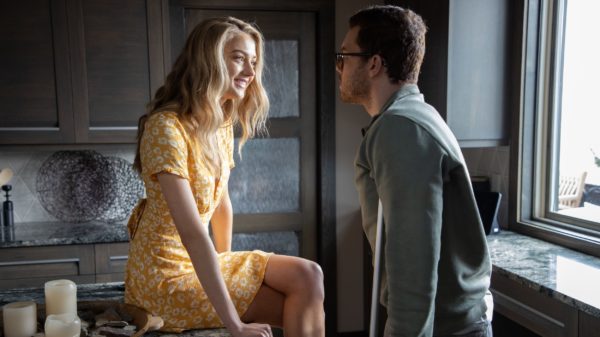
(376, 66)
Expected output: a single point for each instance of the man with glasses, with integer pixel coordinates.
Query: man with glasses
(436, 265)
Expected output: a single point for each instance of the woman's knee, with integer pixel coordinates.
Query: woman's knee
(294, 275)
(310, 279)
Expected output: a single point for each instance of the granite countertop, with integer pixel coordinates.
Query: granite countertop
(29, 234)
(555, 271)
(100, 292)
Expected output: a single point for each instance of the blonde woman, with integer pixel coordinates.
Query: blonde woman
(184, 155)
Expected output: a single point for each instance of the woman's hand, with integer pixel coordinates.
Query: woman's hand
(253, 330)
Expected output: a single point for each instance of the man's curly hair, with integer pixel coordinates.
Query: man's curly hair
(397, 35)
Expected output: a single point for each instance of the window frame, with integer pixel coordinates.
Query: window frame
(535, 131)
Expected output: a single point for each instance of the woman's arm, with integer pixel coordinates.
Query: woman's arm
(195, 238)
(222, 223)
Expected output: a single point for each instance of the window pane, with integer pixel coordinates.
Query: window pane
(267, 179)
(281, 77)
(578, 178)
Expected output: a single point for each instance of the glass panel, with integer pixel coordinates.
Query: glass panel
(283, 243)
(578, 178)
(267, 179)
(281, 77)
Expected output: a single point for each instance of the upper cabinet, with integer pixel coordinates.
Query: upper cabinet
(470, 73)
(74, 71)
(35, 89)
(110, 68)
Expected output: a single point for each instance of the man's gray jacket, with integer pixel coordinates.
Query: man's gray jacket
(436, 262)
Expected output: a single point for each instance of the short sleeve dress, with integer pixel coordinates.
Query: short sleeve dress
(160, 277)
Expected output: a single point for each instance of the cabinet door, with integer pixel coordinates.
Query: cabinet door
(471, 67)
(111, 261)
(35, 90)
(588, 325)
(111, 68)
(32, 266)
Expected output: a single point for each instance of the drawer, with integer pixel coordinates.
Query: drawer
(537, 312)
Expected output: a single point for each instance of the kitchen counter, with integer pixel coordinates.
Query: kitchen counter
(551, 270)
(99, 292)
(30, 234)
(33, 234)
(554, 271)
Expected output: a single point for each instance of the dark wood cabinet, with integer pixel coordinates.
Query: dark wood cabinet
(35, 97)
(33, 266)
(111, 68)
(528, 312)
(535, 311)
(471, 68)
(74, 71)
(111, 261)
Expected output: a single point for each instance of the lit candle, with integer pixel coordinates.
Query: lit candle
(20, 319)
(61, 297)
(62, 325)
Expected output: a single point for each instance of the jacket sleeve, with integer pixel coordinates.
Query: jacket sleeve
(406, 164)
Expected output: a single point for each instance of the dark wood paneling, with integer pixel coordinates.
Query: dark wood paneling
(110, 53)
(35, 101)
(111, 257)
(43, 263)
(26, 53)
(588, 325)
(116, 50)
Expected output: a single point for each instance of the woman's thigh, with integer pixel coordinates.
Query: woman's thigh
(290, 274)
(267, 307)
(284, 276)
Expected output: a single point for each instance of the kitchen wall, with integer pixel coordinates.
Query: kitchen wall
(26, 161)
(349, 120)
(492, 162)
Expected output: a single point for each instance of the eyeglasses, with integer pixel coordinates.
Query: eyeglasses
(339, 58)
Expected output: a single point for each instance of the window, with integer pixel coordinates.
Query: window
(558, 148)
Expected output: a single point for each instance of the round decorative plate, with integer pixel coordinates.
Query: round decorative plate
(128, 189)
(76, 186)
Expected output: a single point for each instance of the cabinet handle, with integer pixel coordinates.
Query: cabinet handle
(19, 263)
(119, 257)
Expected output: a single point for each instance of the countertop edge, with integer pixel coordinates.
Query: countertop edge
(539, 287)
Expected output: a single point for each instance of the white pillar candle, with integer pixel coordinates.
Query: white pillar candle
(61, 297)
(62, 325)
(20, 319)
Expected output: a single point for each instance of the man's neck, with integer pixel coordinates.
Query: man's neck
(379, 94)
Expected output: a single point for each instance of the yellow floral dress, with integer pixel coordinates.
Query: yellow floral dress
(160, 277)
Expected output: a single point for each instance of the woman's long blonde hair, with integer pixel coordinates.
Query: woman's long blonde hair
(194, 88)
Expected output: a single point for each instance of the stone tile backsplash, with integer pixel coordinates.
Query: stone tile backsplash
(26, 161)
(492, 162)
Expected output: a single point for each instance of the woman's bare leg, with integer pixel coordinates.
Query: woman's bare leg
(267, 307)
(292, 294)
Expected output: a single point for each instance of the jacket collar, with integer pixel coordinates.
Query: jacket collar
(406, 90)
